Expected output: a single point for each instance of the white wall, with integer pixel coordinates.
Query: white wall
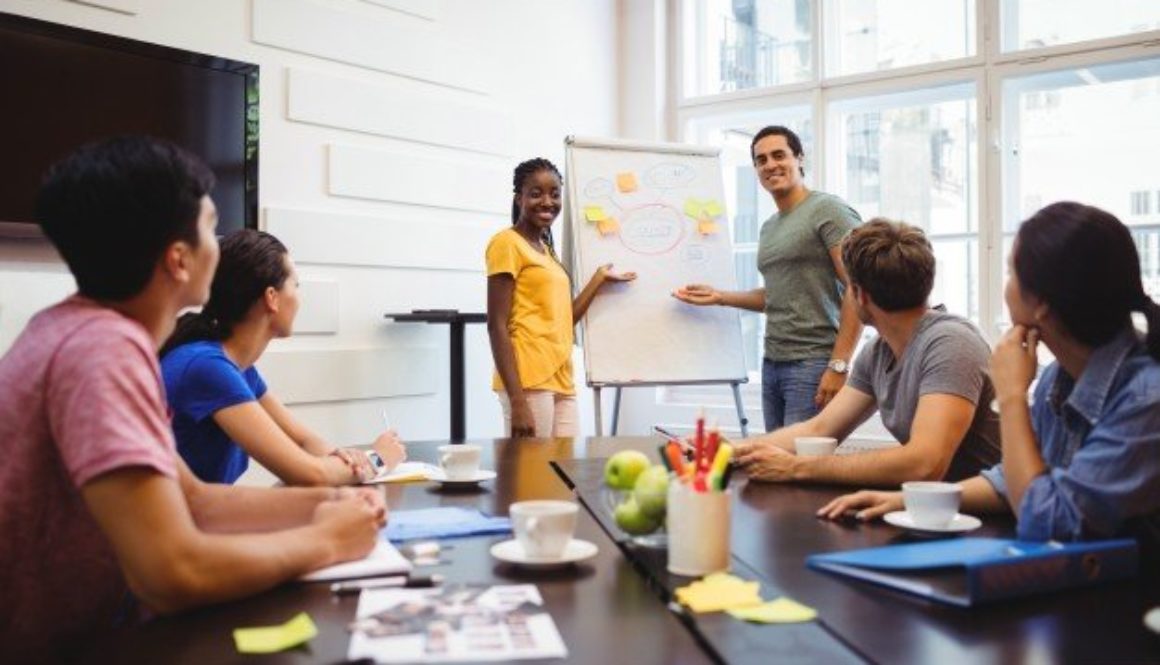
(389, 129)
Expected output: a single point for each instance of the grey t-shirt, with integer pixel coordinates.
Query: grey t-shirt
(803, 295)
(948, 356)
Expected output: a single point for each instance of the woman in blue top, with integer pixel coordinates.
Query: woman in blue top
(1083, 460)
(222, 411)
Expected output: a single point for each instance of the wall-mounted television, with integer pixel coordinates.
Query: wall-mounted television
(63, 87)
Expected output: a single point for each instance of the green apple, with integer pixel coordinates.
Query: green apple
(651, 491)
(632, 520)
(621, 470)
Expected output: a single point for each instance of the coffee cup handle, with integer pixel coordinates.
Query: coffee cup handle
(533, 524)
(444, 459)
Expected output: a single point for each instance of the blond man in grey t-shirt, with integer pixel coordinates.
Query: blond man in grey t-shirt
(926, 373)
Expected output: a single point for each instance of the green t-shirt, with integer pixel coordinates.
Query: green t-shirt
(803, 295)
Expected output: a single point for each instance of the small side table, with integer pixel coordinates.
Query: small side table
(457, 321)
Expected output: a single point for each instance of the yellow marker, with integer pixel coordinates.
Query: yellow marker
(271, 639)
(594, 213)
(720, 462)
(626, 182)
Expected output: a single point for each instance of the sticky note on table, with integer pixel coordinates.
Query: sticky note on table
(693, 208)
(594, 213)
(713, 208)
(717, 592)
(271, 639)
(608, 226)
(782, 610)
(626, 182)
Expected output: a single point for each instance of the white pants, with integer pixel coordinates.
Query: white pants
(553, 413)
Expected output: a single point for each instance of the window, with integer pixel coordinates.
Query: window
(911, 156)
(1057, 153)
(740, 44)
(877, 35)
(1141, 203)
(930, 113)
(1029, 24)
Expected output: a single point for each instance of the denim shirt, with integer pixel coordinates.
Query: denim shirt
(1100, 440)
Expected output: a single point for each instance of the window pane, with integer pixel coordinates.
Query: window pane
(875, 35)
(740, 44)
(1037, 23)
(1088, 135)
(913, 157)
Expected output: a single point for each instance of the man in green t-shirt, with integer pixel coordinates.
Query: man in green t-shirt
(811, 325)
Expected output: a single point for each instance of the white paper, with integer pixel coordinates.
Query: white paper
(495, 625)
(384, 559)
(405, 472)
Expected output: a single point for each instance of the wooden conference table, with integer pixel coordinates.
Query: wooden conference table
(612, 608)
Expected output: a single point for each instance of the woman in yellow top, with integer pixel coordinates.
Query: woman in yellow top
(530, 311)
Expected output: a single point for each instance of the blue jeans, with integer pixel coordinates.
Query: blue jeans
(788, 389)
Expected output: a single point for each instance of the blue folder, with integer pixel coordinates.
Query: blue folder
(969, 571)
(447, 522)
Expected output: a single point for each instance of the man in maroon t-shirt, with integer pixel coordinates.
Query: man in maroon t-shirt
(97, 511)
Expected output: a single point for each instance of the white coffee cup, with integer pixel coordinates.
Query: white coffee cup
(812, 446)
(931, 504)
(459, 461)
(543, 528)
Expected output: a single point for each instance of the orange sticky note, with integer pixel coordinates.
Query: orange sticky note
(608, 226)
(626, 182)
(708, 227)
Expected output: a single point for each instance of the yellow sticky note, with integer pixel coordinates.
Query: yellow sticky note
(271, 639)
(594, 213)
(708, 227)
(782, 610)
(626, 182)
(719, 591)
(607, 226)
(693, 208)
(713, 208)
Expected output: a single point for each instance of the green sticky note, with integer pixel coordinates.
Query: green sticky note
(693, 208)
(713, 208)
(782, 610)
(271, 639)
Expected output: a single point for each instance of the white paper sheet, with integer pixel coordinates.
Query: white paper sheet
(406, 472)
(384, 559)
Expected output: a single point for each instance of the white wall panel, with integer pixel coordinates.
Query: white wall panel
(334, 375)
(318, 311)
(386, 42)
(395, 111)
(428, 9)
(461, 184)
(123, 6)
(333, 238)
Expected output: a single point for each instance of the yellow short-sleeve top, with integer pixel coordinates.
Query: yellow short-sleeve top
(540, 325)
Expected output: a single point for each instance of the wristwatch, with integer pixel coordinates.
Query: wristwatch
(838, 366)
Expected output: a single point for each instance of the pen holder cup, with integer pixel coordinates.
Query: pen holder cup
(699, 530)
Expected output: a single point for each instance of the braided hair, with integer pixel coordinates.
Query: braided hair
(524, 171)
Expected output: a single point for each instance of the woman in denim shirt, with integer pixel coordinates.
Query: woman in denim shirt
(1083, 460)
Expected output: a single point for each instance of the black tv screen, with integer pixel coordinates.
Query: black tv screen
(63, 87)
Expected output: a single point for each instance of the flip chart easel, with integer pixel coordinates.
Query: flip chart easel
(656, 209)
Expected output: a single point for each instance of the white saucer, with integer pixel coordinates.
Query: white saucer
(510, 551)
(481, 475)
(959, 524)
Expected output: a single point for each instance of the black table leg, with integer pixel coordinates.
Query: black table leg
(458, 401)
